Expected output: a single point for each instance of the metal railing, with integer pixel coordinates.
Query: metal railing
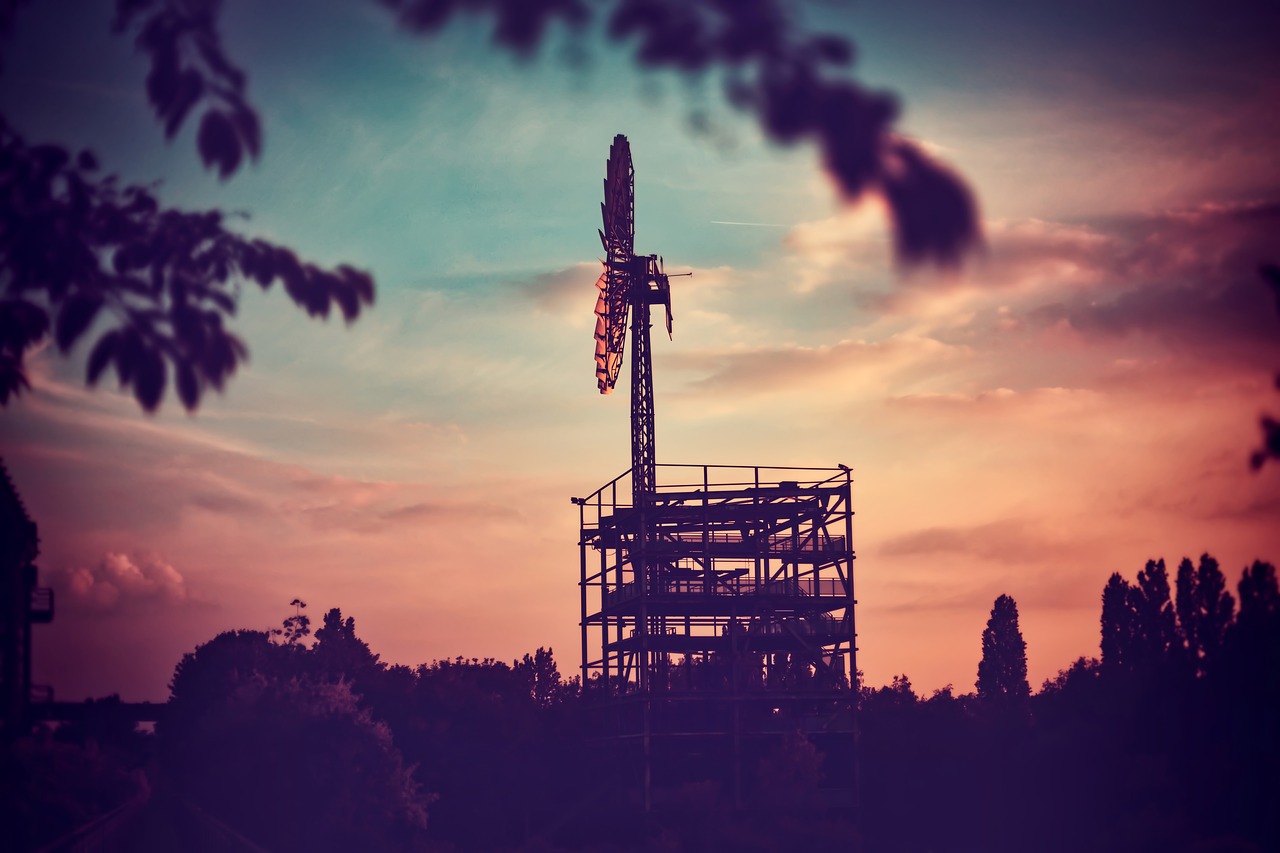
(773, 544)
(40, 605)
(808, 625)
(729, 587)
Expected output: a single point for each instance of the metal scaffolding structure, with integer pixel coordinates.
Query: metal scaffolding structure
(719, 604)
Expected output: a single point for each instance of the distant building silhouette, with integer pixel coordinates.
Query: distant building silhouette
(22, 604)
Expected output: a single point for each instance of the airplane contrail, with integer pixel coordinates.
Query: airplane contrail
(756, 224)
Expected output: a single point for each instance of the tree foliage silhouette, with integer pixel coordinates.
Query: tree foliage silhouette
(1156, 634)
(791, 81)
(1270, 426)
(1259, 596)
(297, 627)
(1187, 717)
(545, 684)
(1002, 672)
(75, 246)
(289, 757)
(789, 775)
(1139, 627)
(1251, 647)
(302, 752)
(1119, 623)
(1205, 609)
(339, 653)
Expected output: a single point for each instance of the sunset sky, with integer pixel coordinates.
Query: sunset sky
(1081, 397)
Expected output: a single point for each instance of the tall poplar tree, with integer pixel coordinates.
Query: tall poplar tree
(1002, 673)
(1205, 609)
(1119, 623)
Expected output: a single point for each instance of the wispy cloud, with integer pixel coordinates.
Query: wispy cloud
(751, 371)
(752, 224)
(1010, 541)
(563, 290)
(1187, 278)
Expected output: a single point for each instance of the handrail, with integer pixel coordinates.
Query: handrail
(729, 587)
(775, 543)
(834, 474)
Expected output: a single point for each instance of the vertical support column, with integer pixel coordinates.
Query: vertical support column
(643, 484)
(708, 564)
(605, 619)
(736, 642)
(640, 563)
(643, 454)
(757, 527)
(605, 551)
(853, 643)
(582, 582)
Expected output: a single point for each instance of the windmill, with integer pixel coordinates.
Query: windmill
(630, 283)
(744, 568)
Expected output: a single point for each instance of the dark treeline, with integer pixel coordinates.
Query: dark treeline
(1169, 742)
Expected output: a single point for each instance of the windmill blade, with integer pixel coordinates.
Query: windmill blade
(602, 310)
(617, 215)
(619, 199)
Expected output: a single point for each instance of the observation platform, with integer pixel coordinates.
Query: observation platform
(744, 567)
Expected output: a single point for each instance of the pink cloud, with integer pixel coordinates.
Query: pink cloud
(122, 580)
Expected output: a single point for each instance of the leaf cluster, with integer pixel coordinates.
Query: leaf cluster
(189, 70)
(77, 248)
(1270, 426)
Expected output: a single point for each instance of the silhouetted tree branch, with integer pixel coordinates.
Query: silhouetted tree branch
(1270, 426)
(295, 628)
(791, 81)
(76, 246)
(190, 68)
